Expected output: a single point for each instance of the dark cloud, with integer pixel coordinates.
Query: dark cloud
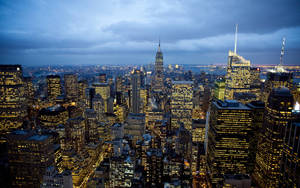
(191, 30)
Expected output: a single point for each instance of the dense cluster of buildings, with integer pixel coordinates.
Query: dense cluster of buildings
(151, 128)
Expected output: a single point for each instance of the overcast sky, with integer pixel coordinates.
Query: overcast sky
(36, 32)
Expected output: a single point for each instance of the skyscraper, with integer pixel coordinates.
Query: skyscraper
(71, 86)
(159, 71)
(12, 97)
(103, 90)
(135, 91)
(290, 166)
(54, 87)
(278, 115)
(29, 155)
(219, 90)
(228, 139)
(182, 104)
(240, 77)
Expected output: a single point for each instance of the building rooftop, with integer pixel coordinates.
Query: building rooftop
(38, 137)
(182, 82)
(230, 104)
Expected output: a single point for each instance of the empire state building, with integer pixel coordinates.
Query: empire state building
(159, 71)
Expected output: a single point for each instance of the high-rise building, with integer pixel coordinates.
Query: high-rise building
(240, 76)
(257, 115)
(12, 97)
(237, 76)
(75, 130)
(82, 86)
(228, 139)
(278, 115)
(159, 71)
(29, 155)
(219, 90)
(135, 91)
(101, 78)
(182, 104)
(290, 166)
(29, 90)
(103, 90)
(135, 125)
(53, 87)
(277, 79)
(52, 116)
(71, 86)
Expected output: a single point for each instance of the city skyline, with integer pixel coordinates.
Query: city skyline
(127, 32)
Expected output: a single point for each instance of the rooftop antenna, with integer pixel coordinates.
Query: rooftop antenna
(282, 51)
(159, 44)
(235, 38)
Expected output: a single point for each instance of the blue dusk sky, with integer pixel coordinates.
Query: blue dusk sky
(57, 32)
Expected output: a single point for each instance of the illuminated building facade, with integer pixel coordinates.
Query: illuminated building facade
(53, 87)
(135, 91)
(237, 76)
(29, 155)
(228, 139)
(135, 125)
(29, 90)
(159, 71)
(71, 86)
(52, 116)
(82, 86)
(182, 104)
(219, 90)
(290, 166)
(278, 115)
(12, 97)
(277, 79)
(103, 90)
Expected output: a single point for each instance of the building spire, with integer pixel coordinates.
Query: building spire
(158, 45)
(235, 38)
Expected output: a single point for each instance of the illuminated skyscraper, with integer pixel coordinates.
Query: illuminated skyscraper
(103, 90)
(135, 91)
(29, 90)
(159, 71)
(54, 87)
(29, 155)
(219, 90)
(278, 115)
(182, 104)
(290, 167)
(240, 77)
(51, 117)
(12, 97)
(71, 86)
(277, 79)
(228, 139)
(237, 76)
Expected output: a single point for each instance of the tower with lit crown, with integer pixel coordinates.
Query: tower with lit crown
(159, 71)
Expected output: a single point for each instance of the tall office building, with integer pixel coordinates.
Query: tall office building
(278, 115)
(29, 90)
(29, 155)
(158, 83)
(12, 97)
(101, 78)
(182, 104)
(290, 166)
(228, 139)
(103, 90)
(237, 76)
(275, 79)
(135, 91)
(71, 86)
(219, 90)
(240, 76)
(53, 87)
